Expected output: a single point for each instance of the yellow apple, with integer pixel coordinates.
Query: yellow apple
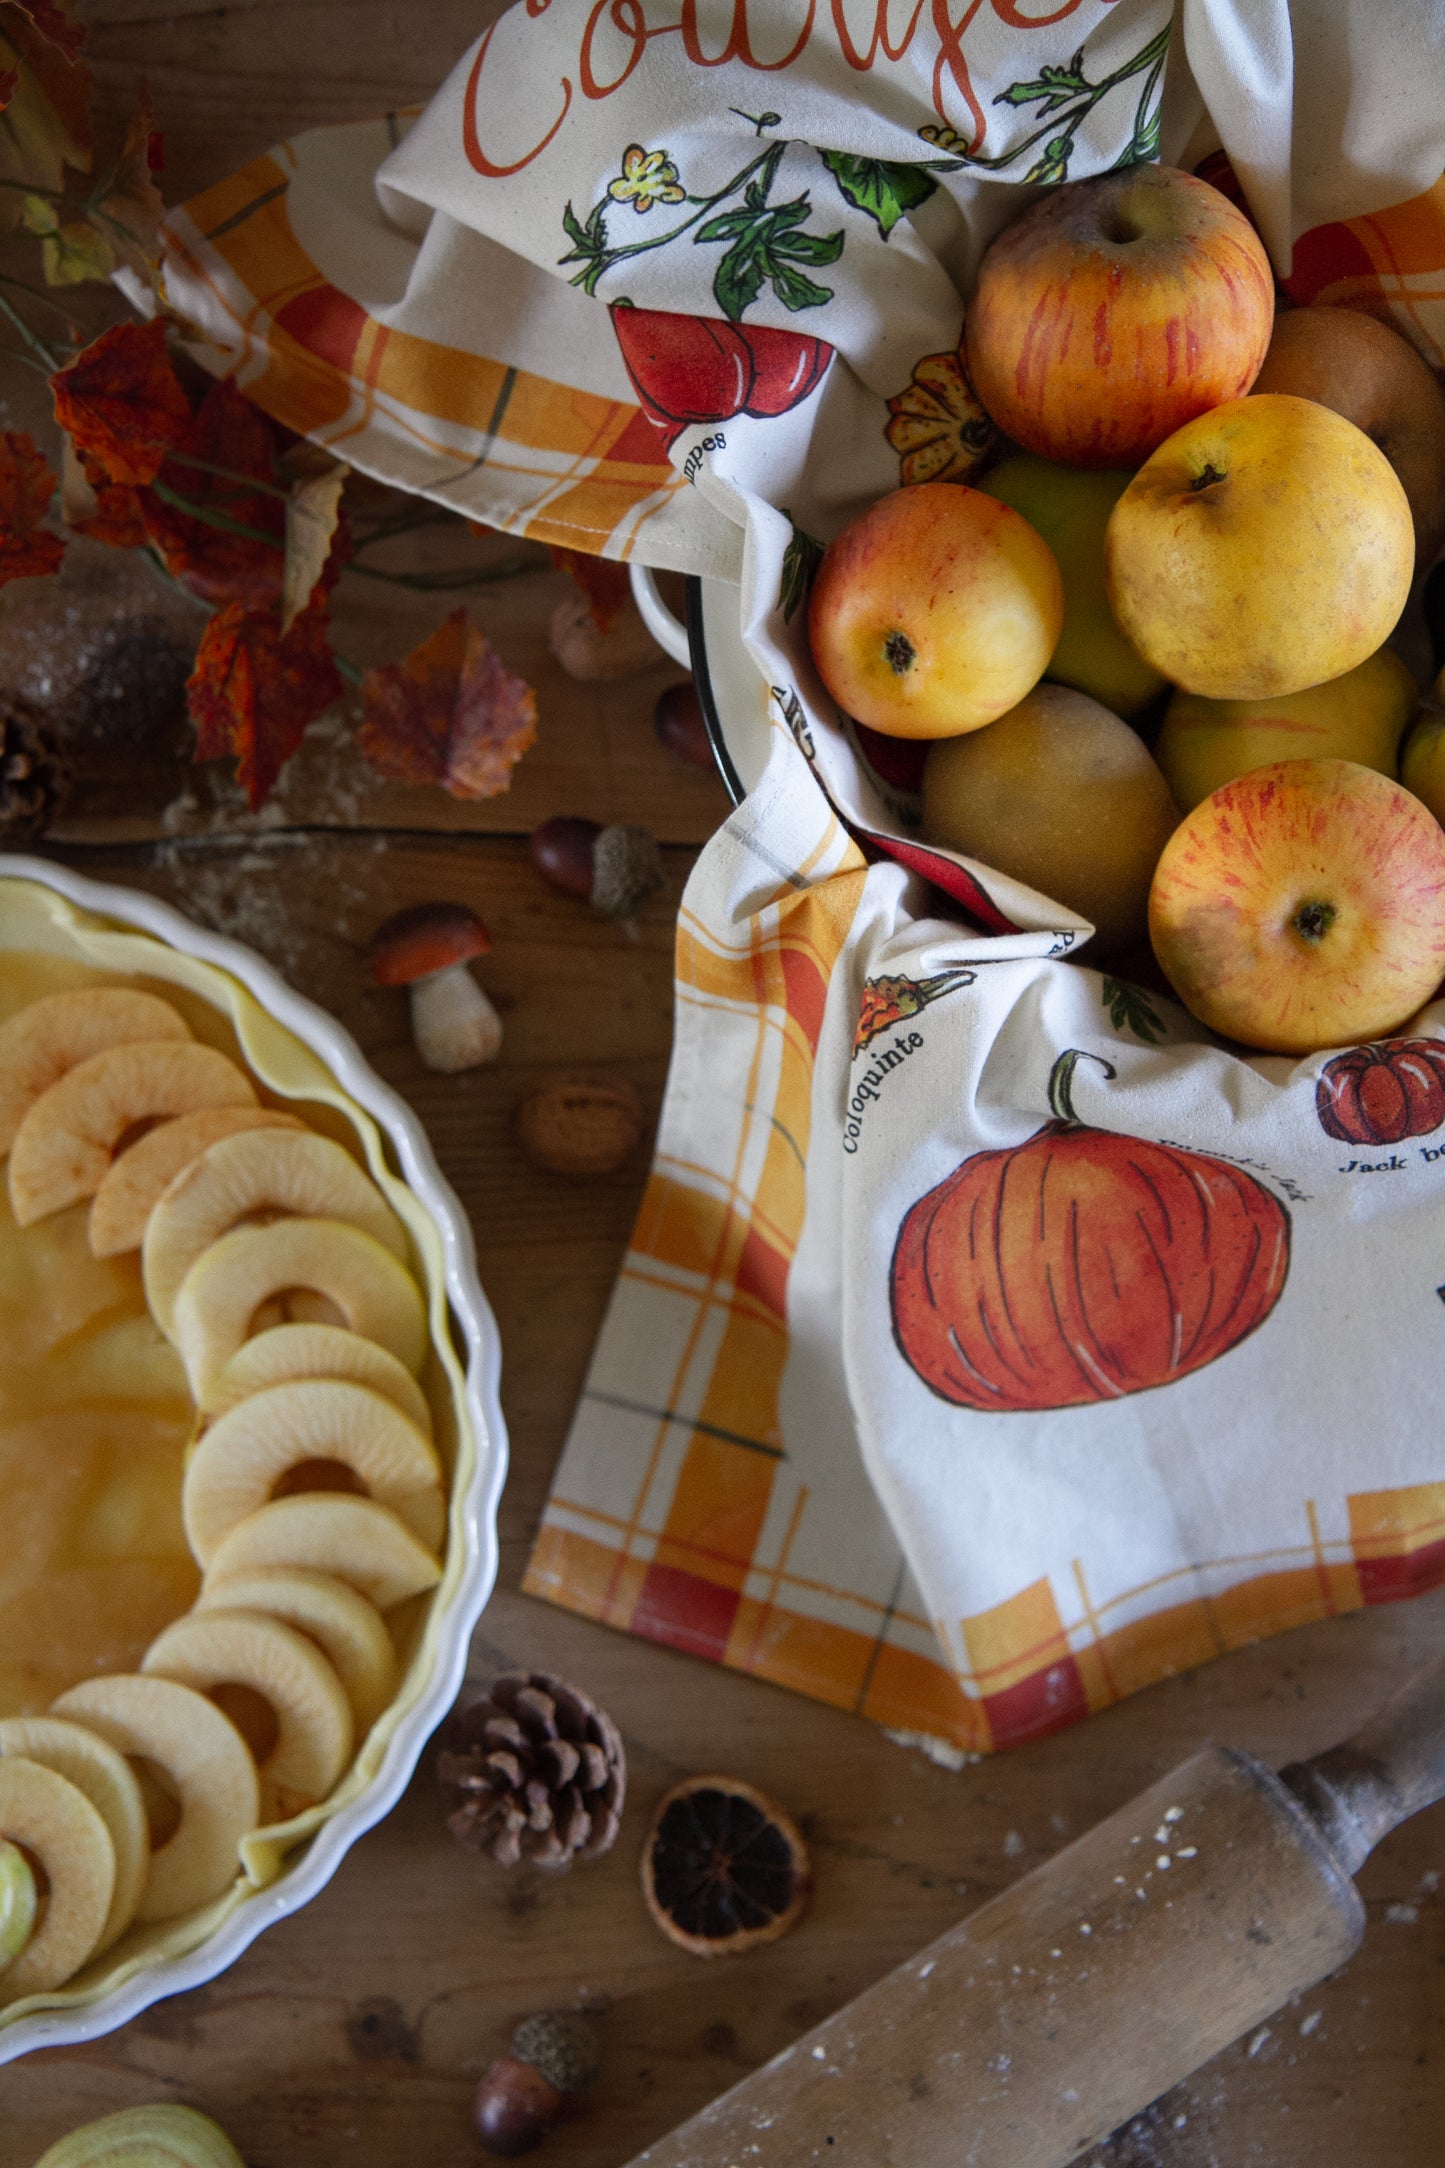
(1264, 547)
(1059, 794)
(1070, 508)
(1303, 906)
(1361, 716)
(1422, 757)
(934, 611)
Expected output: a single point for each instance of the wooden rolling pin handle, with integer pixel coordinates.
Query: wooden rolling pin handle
(1361, 1790)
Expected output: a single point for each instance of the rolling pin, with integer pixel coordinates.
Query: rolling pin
(1064, 2006)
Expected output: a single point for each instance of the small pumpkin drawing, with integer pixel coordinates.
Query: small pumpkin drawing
(1379, 1094)
(1081, 1266)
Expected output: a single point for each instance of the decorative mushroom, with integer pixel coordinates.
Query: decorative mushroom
(427, 949)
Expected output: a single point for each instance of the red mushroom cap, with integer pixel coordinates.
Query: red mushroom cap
(426, 938)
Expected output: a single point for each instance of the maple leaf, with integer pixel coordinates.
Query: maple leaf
(55, 22)
(254, 689)
(604, 582)
(106, 511)
(214, 510)
(130, 213)
(26, 487)
(45, 126)
(70, 253)
(450, 714)
(313, 513)
(121, 401)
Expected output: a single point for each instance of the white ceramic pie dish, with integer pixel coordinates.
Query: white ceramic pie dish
(474, 1515)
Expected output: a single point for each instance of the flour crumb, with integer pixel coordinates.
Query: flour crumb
(1402, 1915)
(1013, 1844)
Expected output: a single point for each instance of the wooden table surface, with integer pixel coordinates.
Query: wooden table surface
(356, 2031)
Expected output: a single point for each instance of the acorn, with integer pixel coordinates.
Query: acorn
(678, 721)
(553, 2057)
(615, 868)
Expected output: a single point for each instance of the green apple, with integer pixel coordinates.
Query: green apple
(1070, 508)
(17, 1901)
(1361, 716)
(1422, 758)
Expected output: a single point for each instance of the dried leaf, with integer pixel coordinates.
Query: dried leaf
(216, 529)
(604, 582)
(254, 690)
(72, 253)
(93, 505)
(26, 487)
(131, 211)
(122, 403)
(312, 514)
(450, 714)
(45, 126)
(55, 21)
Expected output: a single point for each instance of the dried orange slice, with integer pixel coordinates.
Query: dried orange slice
(723, 1868)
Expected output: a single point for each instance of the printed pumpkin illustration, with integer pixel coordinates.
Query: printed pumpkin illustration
(1082, 1266)
(704, 369)
(1379, 1094)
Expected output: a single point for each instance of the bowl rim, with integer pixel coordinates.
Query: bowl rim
(481, 1361)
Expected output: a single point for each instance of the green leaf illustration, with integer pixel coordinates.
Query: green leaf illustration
(765, 248)
(801, 559)
(1053, 88)
(886, 192)
(1130, 1009)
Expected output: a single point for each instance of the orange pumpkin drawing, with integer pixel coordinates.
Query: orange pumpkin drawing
(1082, 1266)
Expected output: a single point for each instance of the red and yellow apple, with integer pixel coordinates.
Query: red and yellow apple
(1070, 507)
(1114, 311)
(1265, 547)
(1362, 369)
(1361, 716)
(1303, 906)
(934, 611)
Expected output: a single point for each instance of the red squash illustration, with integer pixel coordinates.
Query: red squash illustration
(1379, 1094)
(1081, 1266)
(704, 369)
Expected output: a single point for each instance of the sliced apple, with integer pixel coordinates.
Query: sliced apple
(135, 1183)
(47, 1037)
(69, 1137)
(57, 1825)
(161, 2136)
(355, 1539)
(106, 1778)
(303, 1739)
(346, 1627)
(206, 1763)
(19, 1901)
(291, 1172)
(315, 1351)
(291, 1264)
(315, 1434)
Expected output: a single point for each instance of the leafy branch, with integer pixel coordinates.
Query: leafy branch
(1064, 98)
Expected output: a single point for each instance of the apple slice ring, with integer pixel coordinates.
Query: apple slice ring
(106, 1778)
(40, 1042)
(254, 1268)
(292, 1172)
(68, 1139)
(287, 1352)
(57, 1825)
(318, 1425)
(359, 1541)
(135, 1183)
(212, 1650)
(345, 1625)
(206, 1761)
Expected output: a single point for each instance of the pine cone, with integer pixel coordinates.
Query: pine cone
(536, 1772)
(35, 775)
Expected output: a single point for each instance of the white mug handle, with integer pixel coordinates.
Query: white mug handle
(668, 631)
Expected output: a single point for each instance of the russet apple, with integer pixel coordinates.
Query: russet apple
(934, 611)
(1361, 716)
(1374, 377)
(1115, 310)
(1265, 547)
(1303, 906)
(1061, 795)
(1070, 507)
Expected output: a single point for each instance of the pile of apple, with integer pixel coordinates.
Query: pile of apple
(1203, 531)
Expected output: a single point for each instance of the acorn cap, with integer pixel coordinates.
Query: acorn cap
(425, 939)
(562, 2048)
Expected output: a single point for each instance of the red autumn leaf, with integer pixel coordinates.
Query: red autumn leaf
(26, 487)
(105, 511)
(217, 531)
(602, 581)
(254, 690)
(55, 23)
(122, 402)
(130, 214)
(450, 714)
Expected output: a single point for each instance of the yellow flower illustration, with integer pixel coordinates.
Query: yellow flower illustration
(647, 177)
(938, 427)
(945, 139)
